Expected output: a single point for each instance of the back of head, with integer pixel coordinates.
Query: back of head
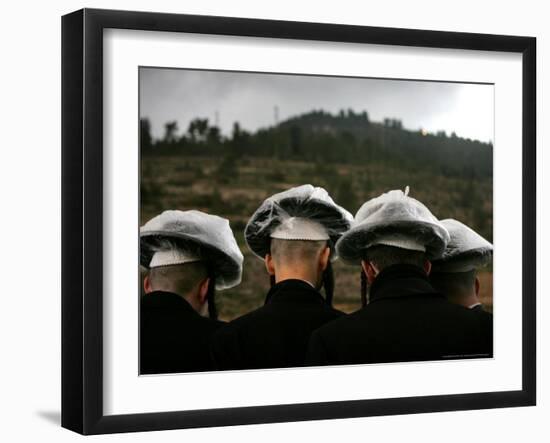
(180, 279)
(178, 237)
(296, 253)
(456, 286)
(307, 260)
(303, 260)
(383, 256)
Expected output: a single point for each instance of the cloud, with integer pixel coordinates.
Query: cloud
(250, 99)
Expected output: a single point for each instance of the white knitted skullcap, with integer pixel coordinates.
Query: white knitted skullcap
(400, 242)
(299, 228)
(172, 257)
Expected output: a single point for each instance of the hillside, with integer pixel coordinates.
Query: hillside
(351, 157)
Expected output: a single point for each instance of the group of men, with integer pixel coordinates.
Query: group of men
(419, 286)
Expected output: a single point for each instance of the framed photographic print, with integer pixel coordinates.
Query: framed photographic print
(261, 218)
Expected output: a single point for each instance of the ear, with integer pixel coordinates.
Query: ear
(203, 290)
(477, 285)
(427, 267)
(370, 270)
(324, 258)
(148, 288)
(269, 265)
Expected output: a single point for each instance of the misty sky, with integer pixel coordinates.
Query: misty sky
(250, 99)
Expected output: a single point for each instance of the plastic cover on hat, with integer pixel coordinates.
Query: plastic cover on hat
(207, 236)
(304, 202)
(393, 218)
(466, 250)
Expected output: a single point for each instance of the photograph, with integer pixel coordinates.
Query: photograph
(292, 220)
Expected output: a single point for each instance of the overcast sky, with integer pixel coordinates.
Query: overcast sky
(250, 99)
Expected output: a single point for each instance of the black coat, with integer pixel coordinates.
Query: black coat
(406, 320)
(173, 336)
(275, 335)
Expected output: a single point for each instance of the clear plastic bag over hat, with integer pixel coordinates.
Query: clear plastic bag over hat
(208, 236)
(466, 249)
(392, 215)
(306, 201)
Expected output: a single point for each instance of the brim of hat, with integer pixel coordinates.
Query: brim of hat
(228, 270)
(259, 240)
(352, 245)
(477, 257)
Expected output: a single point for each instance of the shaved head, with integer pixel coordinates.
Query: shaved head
(457, 284)
(289, 252)
(180, 279)
(298, 259)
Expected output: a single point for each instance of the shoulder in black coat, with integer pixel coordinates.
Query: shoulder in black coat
(275, 335)
(173, 336)
(406, 320)
(481, 311)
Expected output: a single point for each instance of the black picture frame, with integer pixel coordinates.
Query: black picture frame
(82, 218)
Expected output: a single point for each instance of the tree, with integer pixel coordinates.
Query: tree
(170, 129)
(214, 135)
(396, 124)
(239, 135)
(237, 132)
(198, 129)
(145, 138)
(241, 140)
(393, 123)
(295, 140)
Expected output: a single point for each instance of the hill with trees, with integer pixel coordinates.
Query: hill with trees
(346, 137)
